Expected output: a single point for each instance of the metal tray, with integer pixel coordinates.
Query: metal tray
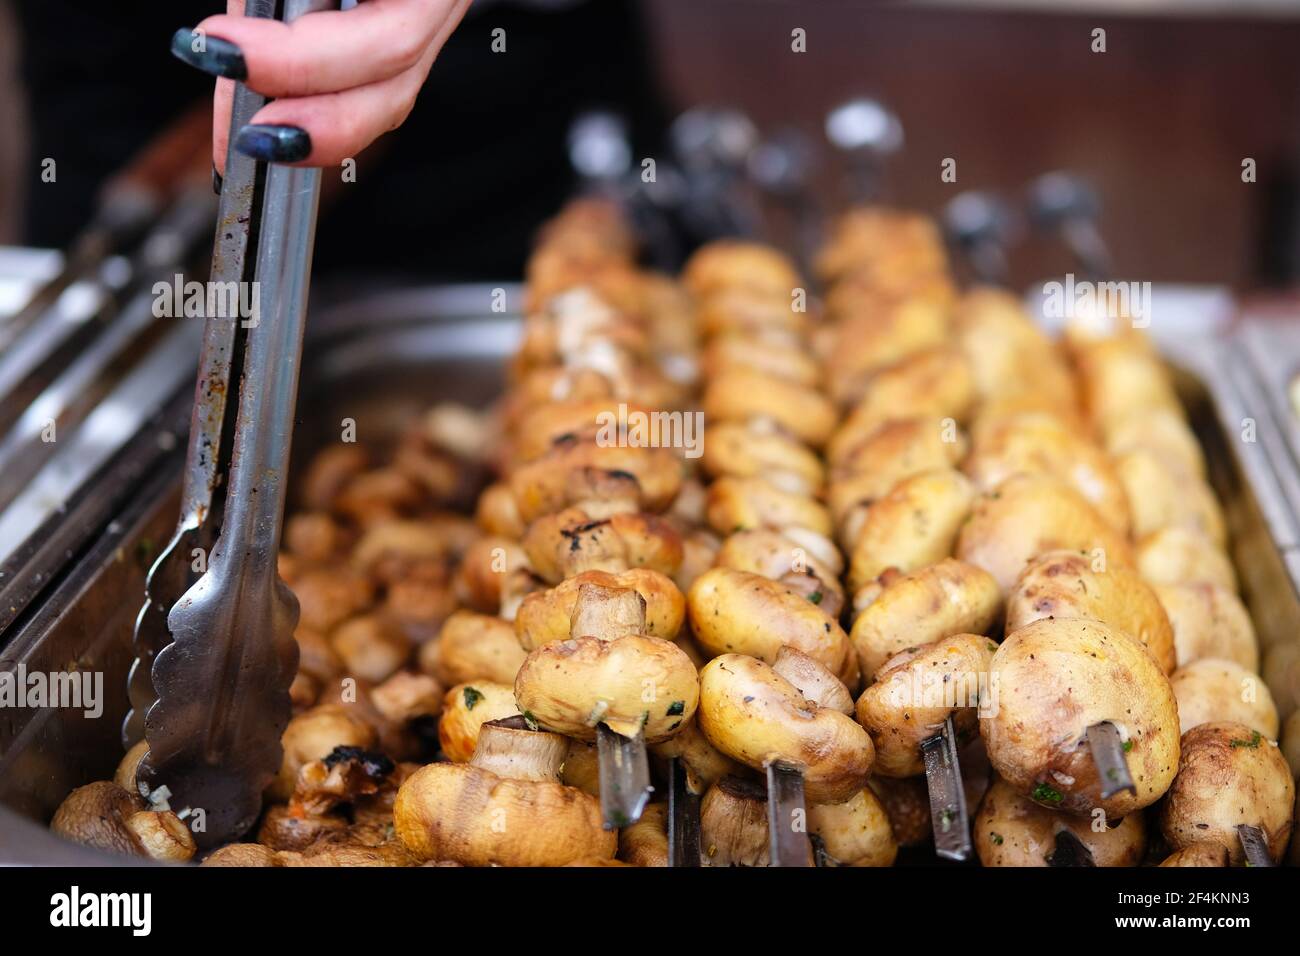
(380, 360)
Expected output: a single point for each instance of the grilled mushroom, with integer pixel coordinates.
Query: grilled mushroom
(1229, 774)
(755, 716)
(1211, 690)
(488, 811)
(735, 611)
(609, 671)
(1012, 830)
(902, 611)
(1054, 680)
(1066, 584)
(105, 816)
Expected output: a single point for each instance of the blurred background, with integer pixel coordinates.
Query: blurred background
(1158, 124)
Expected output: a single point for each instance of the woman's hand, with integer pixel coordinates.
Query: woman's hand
(340, 79)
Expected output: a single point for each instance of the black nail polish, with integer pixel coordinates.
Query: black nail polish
(274, 144)
(217, 57)
(216, 180)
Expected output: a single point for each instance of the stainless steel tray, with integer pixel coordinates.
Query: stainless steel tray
(380, 360)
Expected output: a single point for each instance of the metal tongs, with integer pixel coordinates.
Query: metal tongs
(215, 653)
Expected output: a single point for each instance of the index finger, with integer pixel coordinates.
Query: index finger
(333, 50)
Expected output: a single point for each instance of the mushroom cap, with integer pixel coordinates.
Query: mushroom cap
(738, 503)
(104, 816)
(1029, 514)
(630, 683)
(757, 449)
(544, 486)
(645, 842)
(896, 450)
(735, 611)
(916, 691)
(1064, 584)
(734, 263)
(1050, 682)
(913, 526)
(1163, 496)
(1229, 774)
(1043, 444)
(754, 715)
(741, 394)
(547, 615)
(946, 598)
(1209, 620)
(1198, 854)
(473, 646)
(1178, 555)
(733, 823)
(571, 541)
(1012, 830)
(1213, 690)
(465, 709)
(935, 383)
(312, 735)
(472, 816)
(856, 832)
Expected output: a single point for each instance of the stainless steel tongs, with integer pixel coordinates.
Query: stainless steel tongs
(215, 653)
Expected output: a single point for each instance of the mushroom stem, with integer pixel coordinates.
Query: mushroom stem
(607, 613)
(813, 679)
(509, 749)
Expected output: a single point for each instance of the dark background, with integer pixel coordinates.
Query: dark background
(1160, 122)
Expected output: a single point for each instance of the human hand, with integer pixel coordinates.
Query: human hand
(340, 78)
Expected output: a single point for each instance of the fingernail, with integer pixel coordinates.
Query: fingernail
(216, 180)
(213, 55)
(274, 144)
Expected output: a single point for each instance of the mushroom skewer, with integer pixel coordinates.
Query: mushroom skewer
(608, 680)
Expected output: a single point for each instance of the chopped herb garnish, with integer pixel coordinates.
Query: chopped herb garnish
(815, 597)
(1128, 746)
(472, 697)
(676, 708)
(995, 837)
(1045, 794)
(530, 720)
(1252, 743)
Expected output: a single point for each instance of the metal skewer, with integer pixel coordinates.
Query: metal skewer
(866, 133)
(683, 818)
(1070, 851)
(1065, 205)
(980, 225)
(624, 777)
(1255, 845)
(786, 804)
(1108, 755)
(207, 454)
(222, 684)
(948, 813)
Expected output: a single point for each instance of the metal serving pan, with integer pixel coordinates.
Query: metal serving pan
(381, 359)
